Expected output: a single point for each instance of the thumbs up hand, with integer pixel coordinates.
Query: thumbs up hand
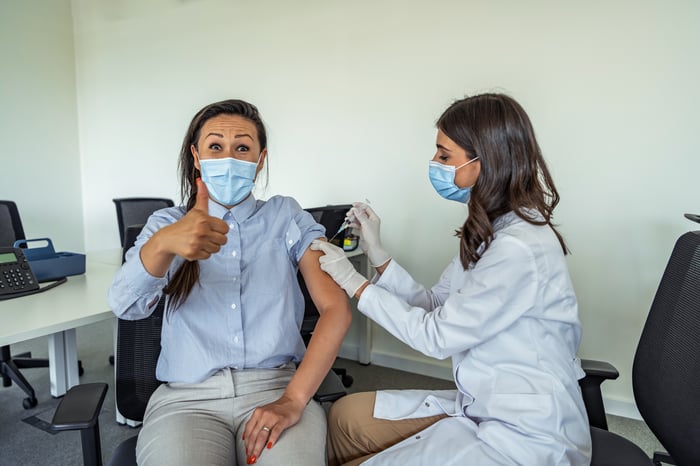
(197, 235)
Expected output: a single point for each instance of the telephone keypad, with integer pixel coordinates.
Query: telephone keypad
(16, 278)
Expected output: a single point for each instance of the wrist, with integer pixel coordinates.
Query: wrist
(354, 283)
(297, 398)
(378, 257)
(361, 289)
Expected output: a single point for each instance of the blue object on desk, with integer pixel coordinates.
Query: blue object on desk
(49, 265)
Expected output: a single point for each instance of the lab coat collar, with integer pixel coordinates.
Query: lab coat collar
(511, 218)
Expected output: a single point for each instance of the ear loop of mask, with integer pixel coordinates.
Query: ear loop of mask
(467, 162)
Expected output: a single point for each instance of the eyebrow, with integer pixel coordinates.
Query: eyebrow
(440, 146)
(238, 136)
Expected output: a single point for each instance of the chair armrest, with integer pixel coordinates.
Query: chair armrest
(601, 369)
(79, 407)
(596, 373)
(331, 388)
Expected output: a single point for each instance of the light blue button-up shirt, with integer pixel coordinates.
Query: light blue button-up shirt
(246, 310)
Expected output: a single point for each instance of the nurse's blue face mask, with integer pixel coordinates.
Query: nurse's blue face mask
(442, 177)
(228, 180)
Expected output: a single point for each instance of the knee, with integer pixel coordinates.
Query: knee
(349, 412)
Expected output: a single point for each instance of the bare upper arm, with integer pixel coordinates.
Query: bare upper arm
(324, 292)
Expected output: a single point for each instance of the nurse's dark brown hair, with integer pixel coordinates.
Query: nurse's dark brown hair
(513, 177)
(187, 275)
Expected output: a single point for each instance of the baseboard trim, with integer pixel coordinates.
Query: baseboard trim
(443, 370)
(622, 408)
(423, 366)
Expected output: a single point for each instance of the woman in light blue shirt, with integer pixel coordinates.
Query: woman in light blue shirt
(227, 265)
(504, 310)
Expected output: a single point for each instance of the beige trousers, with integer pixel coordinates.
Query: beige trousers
(202, 423)
(354, 435)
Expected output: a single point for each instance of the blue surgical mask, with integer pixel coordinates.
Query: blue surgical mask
(442, 177)
(228, 180)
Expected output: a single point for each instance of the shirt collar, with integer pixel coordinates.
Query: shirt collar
(240, 212)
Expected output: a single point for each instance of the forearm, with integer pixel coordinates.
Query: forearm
(321, 353)
(155, 254)
(134, 292)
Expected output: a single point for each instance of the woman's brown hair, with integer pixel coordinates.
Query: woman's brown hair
(513, 177)
(187, 275)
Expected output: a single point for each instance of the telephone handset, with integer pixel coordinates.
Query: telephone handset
(16, 277)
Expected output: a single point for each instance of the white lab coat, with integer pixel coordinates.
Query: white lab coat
(510, 324)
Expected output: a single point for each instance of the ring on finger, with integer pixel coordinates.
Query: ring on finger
(266, 429)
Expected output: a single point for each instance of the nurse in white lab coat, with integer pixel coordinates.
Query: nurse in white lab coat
(504, 310)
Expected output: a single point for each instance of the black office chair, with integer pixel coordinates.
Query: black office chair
(138, 348)
(135, 211)
(11, 230)
(666, 369)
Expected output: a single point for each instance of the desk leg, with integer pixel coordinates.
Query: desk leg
(63, 362)
(364, 350)
(365, 343)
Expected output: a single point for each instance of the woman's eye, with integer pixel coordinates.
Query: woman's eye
(443, 158)
(214, 146)
(242, 148)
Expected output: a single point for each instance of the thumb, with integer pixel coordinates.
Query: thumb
(361, 215)
(371, 214)
(318, 245)
(202, 202)
(325, 247)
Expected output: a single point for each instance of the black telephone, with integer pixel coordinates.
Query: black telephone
(16, 277)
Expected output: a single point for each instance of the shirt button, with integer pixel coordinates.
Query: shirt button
(235, 339)
(234, 279)
(233, 306)
(234, 253)
(231, 225)
(290, 241)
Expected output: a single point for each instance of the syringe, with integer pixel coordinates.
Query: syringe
(345, 224)
(342, 228)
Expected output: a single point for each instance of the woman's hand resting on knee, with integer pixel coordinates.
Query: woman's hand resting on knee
(267, 424)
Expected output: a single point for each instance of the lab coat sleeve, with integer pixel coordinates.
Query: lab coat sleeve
(396, 280)
(494, 293)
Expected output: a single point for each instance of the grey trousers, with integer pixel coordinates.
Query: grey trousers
(202, 423)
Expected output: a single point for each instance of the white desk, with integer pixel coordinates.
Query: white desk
(57, 312)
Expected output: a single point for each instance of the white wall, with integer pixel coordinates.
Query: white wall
(40, 162)
(351, 91)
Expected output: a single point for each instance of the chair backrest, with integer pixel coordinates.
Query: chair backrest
(136, 210)
(138, 348)
(10, 224)
(666, 370)
(331, 217)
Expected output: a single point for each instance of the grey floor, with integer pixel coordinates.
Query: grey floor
(23, 444)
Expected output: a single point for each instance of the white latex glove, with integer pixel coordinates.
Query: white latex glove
(365, 222)
(335, 264)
